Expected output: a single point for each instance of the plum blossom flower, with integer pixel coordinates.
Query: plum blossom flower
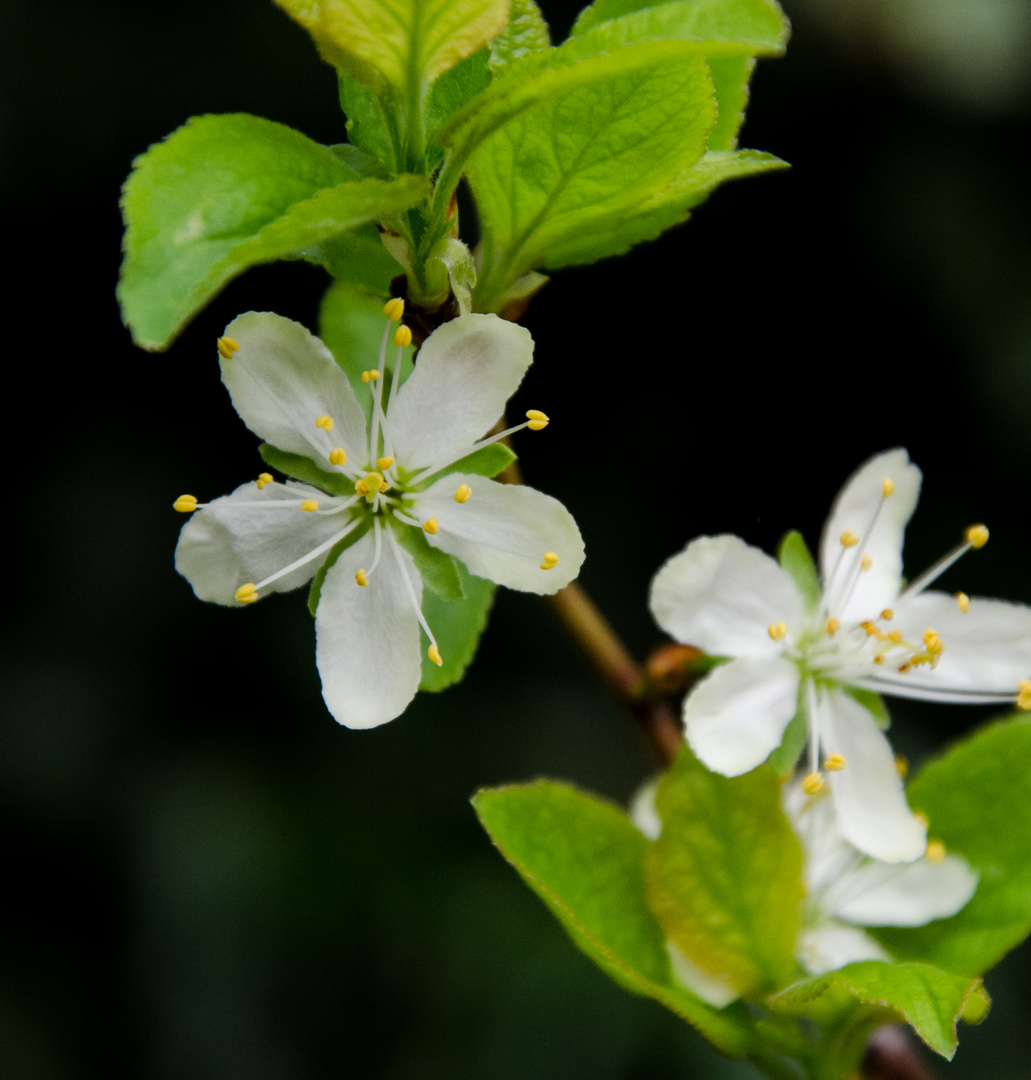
(387, 496)
(846, 891)
(796, 646)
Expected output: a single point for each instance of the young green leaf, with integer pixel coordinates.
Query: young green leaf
(584, 859)
(524, 33)
(357, 257)
(977, 798)
(730, 76)
(398, 46)
(226, 192)
(455, 89)
(457, 626)
(793, 555)
(725, 876)
(929, 999)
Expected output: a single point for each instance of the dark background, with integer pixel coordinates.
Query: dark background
(205, 876)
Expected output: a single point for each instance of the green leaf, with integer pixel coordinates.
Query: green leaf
(457, 627)
(224, 193)
(360, 162)
(358, 258)
(783, 760)
(367, 124)
(584, 859)
(351, 325)
(754, 27)
(524, 33)
(315, 591)
(725, 876)
(793, 556)
(488, 461)
(304, 469)
(398, 46)
(581, 160)
(438, 570)
(929, 999)
(730, 76)
(453, 91)
(977, 798)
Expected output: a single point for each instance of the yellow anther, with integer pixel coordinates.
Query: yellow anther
(1024, 694)
(813, 784)
(849, 539)
(902, 765)
(833, 626)
(963, 602)
(370, 376)
(933, 641)
(185, 504)
(922, 818)
(550, 560)
(866, 562)
(264, 479)
(384, 463)
(935, 851)
(361, 578)
(338, 456)
(888, 486)
(871, 630)
(402, 336)
(361, 487)
(887, 614)
(246, 594)
(538, 420)
(431, 526)
(434, 654)
(325, 422)
(311, 505)
(227, 347)
(463, 493)
(777, 630)
(372, 482)
(905, 668)
(896, 637)
(976, 536)
(878, 659)
(383, 487)
(835, 762)
(394, 309)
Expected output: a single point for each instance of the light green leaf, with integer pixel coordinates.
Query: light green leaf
(315, 590)
(560, 175)
(461, 271)
(730, 76)
(977, 798)
(725, 876)
(357, 257)
(226, 192)
(368, 126)
(752, 27)
(453, 91)
(398, 45)
(524, 33)
(457, 627)
(929, 999)
(359, 161)
(584, 859)
(438, 570)
(783, 760)
(487, 461)
(304, 469)
(351, 324)
(794, 557)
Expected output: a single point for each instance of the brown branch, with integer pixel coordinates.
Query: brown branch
(890, 1055)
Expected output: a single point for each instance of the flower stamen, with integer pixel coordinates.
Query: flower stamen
(227, 347)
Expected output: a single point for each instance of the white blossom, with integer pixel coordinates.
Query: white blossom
(386, 485)
(866, 630)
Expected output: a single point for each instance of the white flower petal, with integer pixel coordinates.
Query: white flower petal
(282, 379)
(830, 946)
(644, 813)
(986, 649)
(736, 716)
(907, 894)
(225, 544)
(722, 595)
(464, 374)
(502, 531)
(709, 988)
(873, 814)
(858, 504)
(367, 639)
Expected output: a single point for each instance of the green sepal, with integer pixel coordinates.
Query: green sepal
(784, 759)
(487, 461)
(438, 570)
(794, 557)
(977, 798)
(302, 468)
(223, 193)
(585, 859)
(315, 591)
(873, 703)
(457, 627)
(725, 876)
(927, 998)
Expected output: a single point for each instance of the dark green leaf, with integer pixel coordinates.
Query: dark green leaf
(227, 192)
(357, 258)
(457, 627)
(584, 859)
(438, 570)
(367, 124)
(725, 876)
(793, 555)
(304, 469)
(929, 999)
(977, 798)
(488, 462)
